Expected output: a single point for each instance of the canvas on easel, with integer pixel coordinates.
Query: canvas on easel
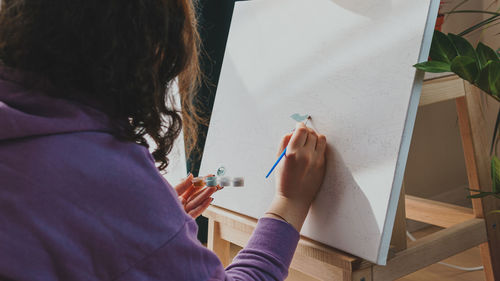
(349, 65)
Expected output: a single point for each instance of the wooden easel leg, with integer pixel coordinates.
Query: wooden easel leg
(217, 244)
(468, 147)
(476, 139)
(486, 260)
(362, 275)
(470, 163)
(398, 240)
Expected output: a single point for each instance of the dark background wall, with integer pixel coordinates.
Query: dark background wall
(214, 18)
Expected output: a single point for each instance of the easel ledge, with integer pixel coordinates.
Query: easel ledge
(325, 263)
(464, 228)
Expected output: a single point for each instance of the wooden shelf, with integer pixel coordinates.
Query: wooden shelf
(442, 89)
(436, 213)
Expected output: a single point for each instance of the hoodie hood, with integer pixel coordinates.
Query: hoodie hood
(28, 113)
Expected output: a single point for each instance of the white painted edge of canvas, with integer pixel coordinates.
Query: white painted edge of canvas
(407, 135)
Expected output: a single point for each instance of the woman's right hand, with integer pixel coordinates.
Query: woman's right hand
(299, 175)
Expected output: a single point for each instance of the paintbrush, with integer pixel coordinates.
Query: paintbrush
(284, 151)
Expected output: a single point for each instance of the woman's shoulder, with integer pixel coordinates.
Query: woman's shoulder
(96, 165)
(88, 191)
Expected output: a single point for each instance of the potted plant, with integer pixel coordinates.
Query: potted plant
(480, 66)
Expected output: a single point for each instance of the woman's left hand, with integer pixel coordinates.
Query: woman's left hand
(195, 202)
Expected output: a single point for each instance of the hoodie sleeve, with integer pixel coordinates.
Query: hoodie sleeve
(267, 256)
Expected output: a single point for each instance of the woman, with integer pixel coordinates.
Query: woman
(82, 83)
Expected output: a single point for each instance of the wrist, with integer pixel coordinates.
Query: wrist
(270, 214)
(291, 211)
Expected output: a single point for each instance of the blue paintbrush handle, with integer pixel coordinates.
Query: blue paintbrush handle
(276, 164)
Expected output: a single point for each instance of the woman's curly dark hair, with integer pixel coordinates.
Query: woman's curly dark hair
(123, 55)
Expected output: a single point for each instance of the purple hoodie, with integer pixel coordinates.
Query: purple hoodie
(78, 204)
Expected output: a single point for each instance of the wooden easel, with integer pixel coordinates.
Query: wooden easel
(464, 228)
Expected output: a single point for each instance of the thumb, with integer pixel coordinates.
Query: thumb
(284, 142)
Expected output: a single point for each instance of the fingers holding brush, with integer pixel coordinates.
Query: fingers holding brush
(299, 176)
(284, 142)
(321, 144)
(312, 138)
(299, 137)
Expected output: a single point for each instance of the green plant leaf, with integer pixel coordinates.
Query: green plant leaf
(493, 212)
(485, 54)
(494, 77)
(433, 66)
(472, 11)
(489, 79)
(442, 48)
(495, 173)
(479, 25)
(481, 194)
(463, 47)
(495, 132)
(483, 81)
(490, 26)
(465, 67)
(457, 6)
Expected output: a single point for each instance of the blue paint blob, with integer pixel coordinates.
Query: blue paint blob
(299, 118)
